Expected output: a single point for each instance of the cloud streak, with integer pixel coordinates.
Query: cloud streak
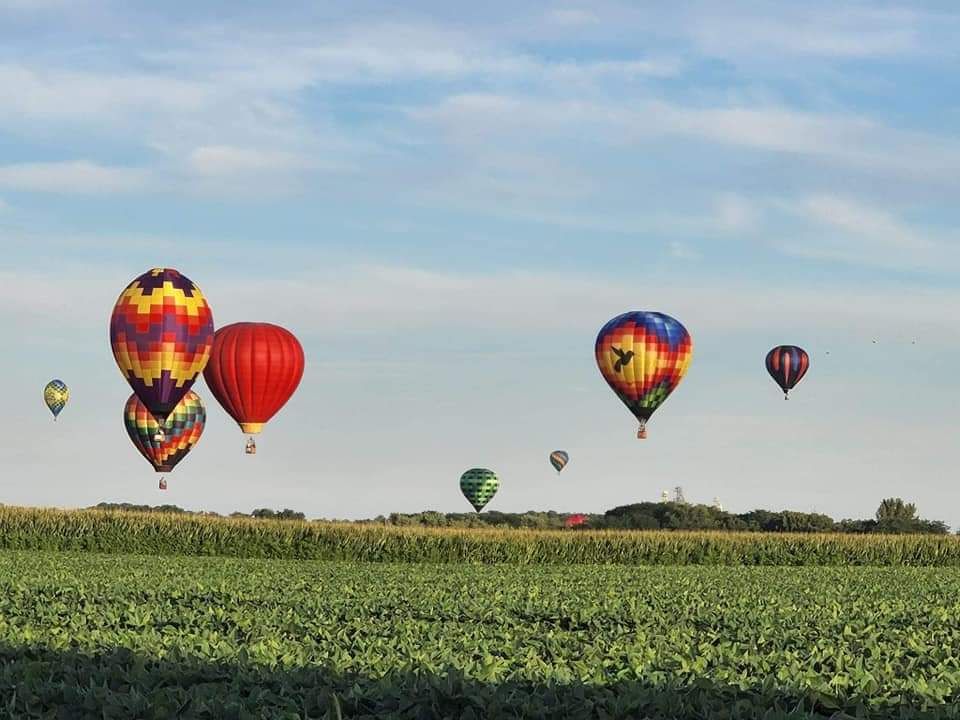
(78, 177)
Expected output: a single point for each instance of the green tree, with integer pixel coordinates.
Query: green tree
(896, 509)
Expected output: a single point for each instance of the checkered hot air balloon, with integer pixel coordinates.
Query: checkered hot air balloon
(55, 395)
(787, 364)
(643, 356)
(181, 430)
(478, 486)
(161, 332)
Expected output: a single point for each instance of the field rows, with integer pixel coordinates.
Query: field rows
(122, 532)
(124, 637)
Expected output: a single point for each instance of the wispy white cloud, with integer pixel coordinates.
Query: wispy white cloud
(851, 217)
(28, 5)
(572, 17)
(840, 229)
(216, 160)
(350, 300)
(845, 139)
(770, 30)
(683, 251)
(736, 213)
(77, 177)
(400, 298)
(33, 93)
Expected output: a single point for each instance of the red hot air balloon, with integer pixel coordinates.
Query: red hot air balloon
(253, 370)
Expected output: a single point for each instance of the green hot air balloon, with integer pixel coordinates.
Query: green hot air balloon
(55, 395)
(479, 486)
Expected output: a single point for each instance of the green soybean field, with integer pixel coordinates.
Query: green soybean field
(122, 636)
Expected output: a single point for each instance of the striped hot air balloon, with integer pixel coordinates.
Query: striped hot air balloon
(787, 364)
(559, 460)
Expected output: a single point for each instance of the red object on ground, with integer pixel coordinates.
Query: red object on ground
(253, 370)
(575, 520)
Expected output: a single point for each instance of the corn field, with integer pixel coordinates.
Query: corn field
(157, 534)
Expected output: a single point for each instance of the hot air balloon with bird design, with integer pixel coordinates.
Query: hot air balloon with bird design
(559, 460)
(478, 486)
(55, 395)
(787, 364)
(161, 332)
(181, 431)
(643, 356)
(253, 371)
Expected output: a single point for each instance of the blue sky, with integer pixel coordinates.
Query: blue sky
(445, 204)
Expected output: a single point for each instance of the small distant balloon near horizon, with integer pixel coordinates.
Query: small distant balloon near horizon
(787, 364)
(643, 356)
(55, 395)
(559, 460)
(161, 332)
(181, 431)
(478, 486)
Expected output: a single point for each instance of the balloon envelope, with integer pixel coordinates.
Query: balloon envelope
(643, 356)
(787, 364)
(181, 430)
(254, 369)
(559, 459)
(161, 332)
(55, 395)
(478, 486)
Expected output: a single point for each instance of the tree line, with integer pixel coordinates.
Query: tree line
(894, 515)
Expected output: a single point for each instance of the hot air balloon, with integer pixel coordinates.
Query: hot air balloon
(161, 332)
(643, 356)
(479, 485)
(181, 431)
(787, 364)
(254, 368)
(559, 460)
(55, 395)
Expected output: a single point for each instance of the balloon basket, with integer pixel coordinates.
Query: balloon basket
(251, 447)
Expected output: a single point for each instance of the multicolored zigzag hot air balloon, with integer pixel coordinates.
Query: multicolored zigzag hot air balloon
(479, 485)
(55, 395)
(559, 460)
(787, 364)
(643, 356)
(181, 430)
(161, 332)
(254, 369)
